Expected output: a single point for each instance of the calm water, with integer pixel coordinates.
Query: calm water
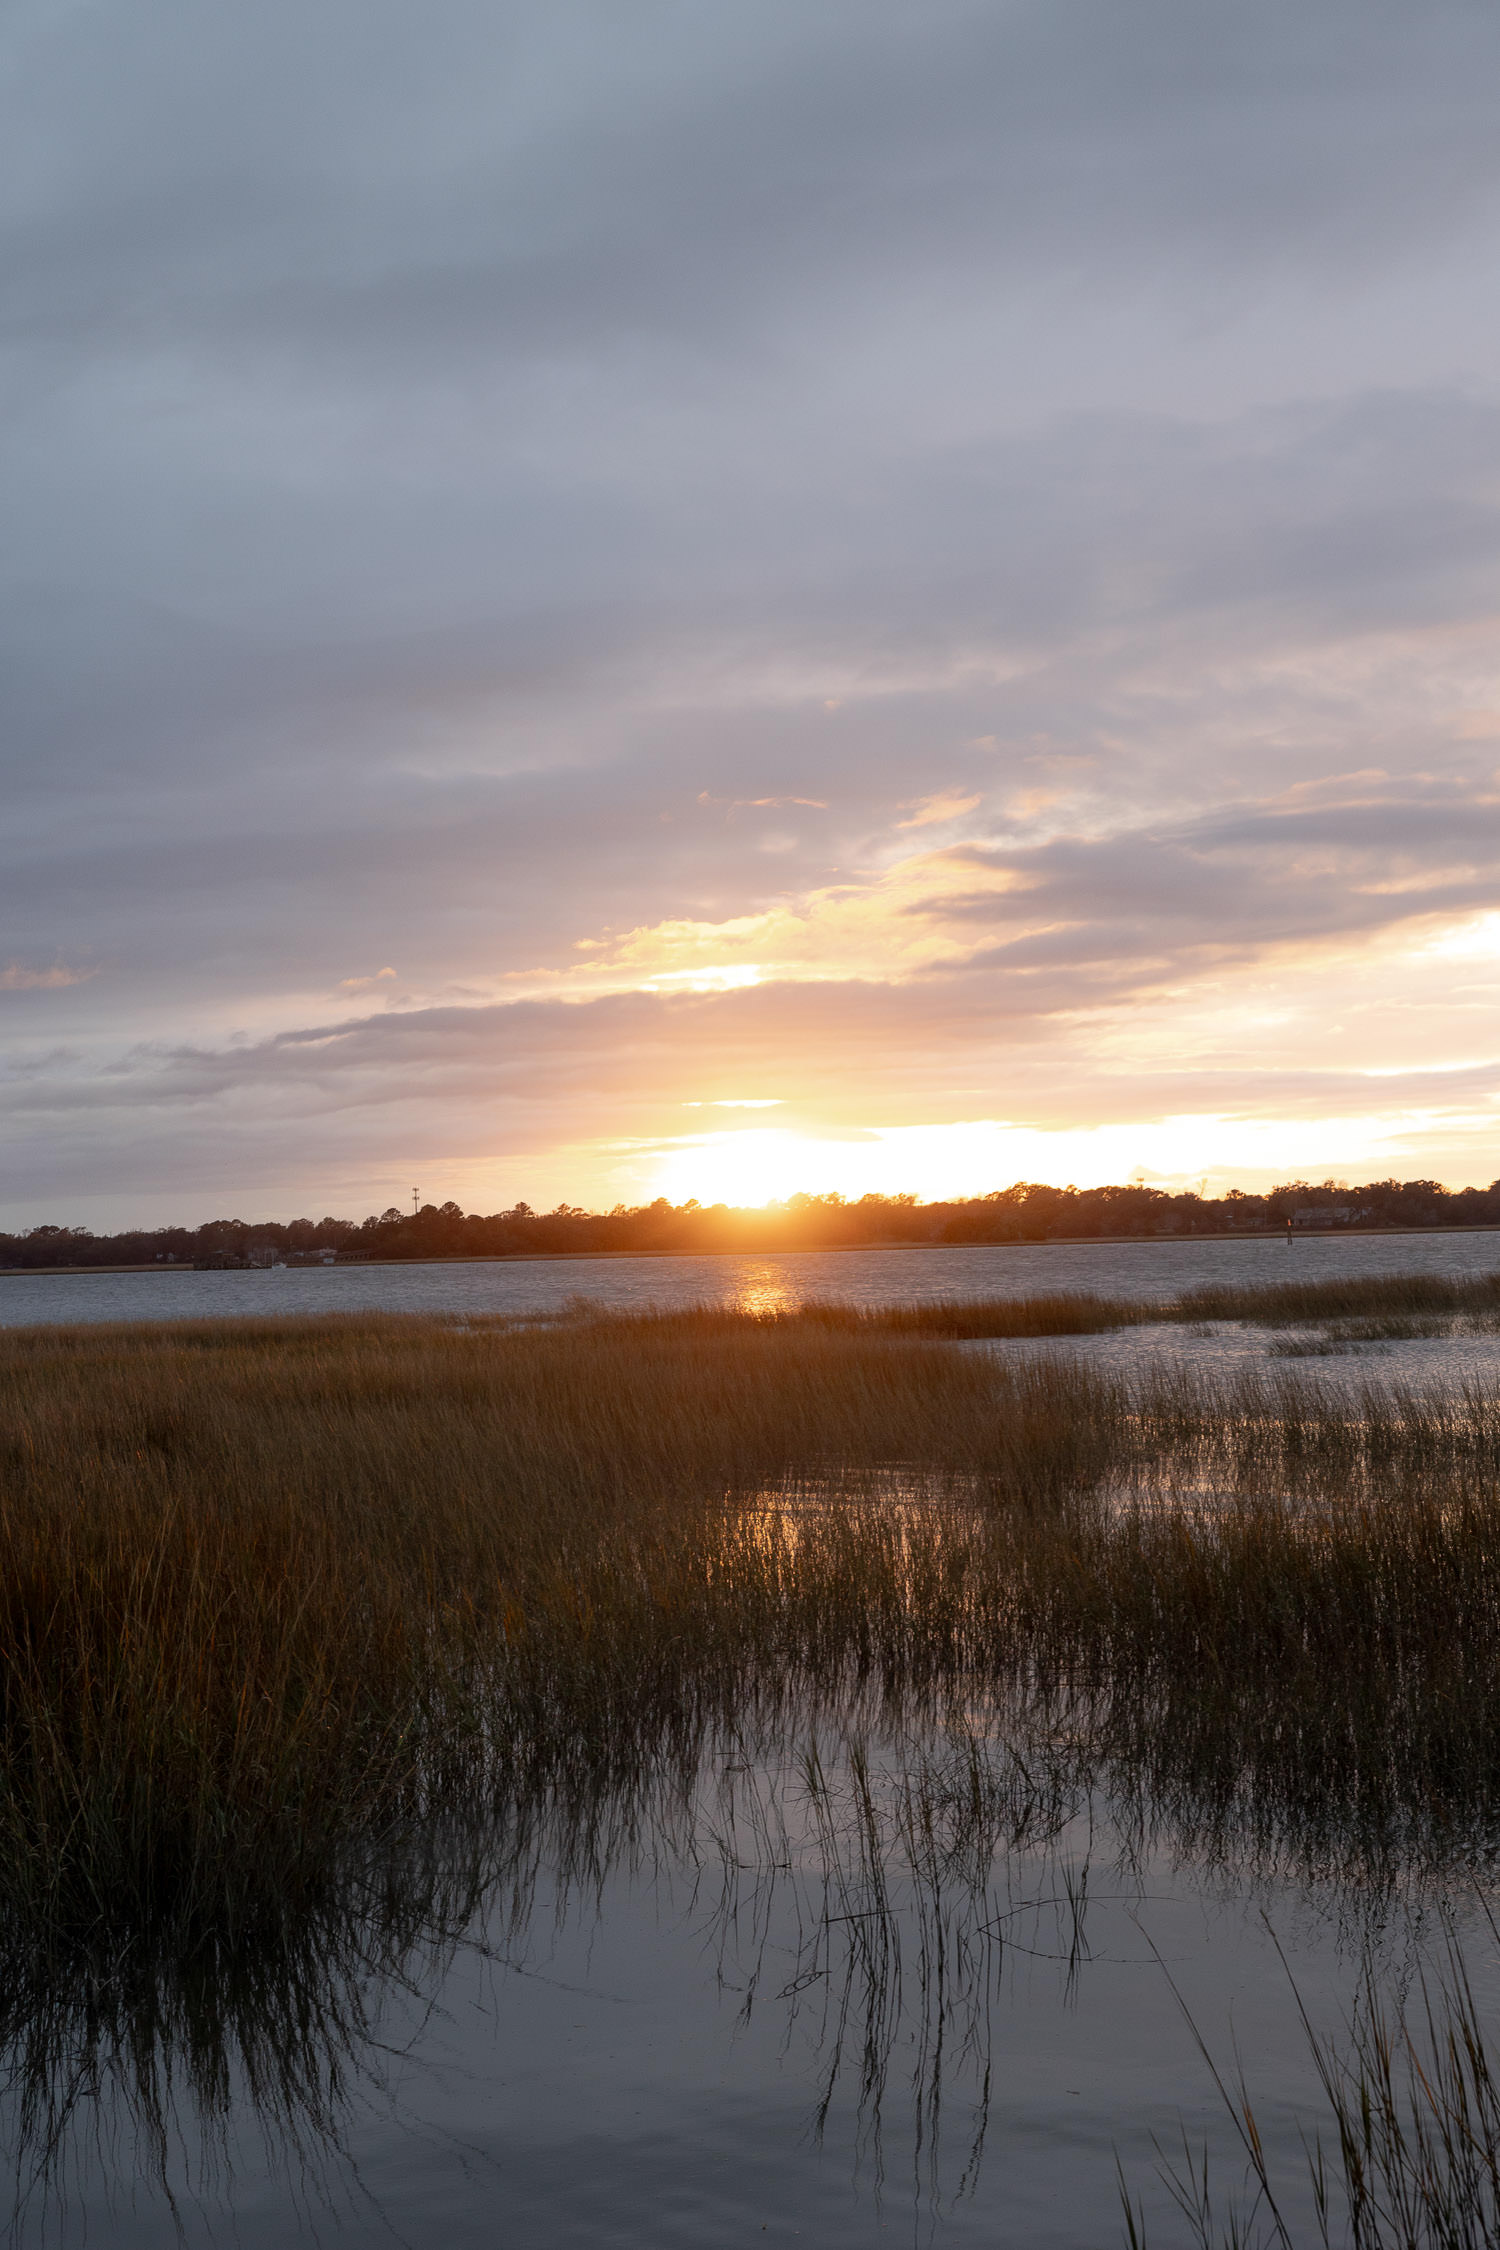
(1303, 1356)
(866, 1277)
(713, 2043)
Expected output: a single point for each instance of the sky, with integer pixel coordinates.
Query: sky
(604, 600)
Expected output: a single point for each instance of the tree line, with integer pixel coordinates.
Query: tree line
(1027, 1212)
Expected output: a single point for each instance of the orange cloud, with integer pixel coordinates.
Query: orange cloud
(889, 928)
(927, 811)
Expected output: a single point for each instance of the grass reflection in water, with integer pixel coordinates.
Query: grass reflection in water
(318, 1639)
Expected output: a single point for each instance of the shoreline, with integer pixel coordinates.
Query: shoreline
(804, 1250)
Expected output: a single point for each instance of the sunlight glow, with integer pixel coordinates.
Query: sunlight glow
(1475, 938)
(757, 1165)
(728, 977)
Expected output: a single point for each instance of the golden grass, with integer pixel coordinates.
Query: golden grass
(1384, 1305)
(276, 1594)
(265, 1585)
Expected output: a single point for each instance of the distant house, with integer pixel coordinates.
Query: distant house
(235, 1261)
(1327, 1215)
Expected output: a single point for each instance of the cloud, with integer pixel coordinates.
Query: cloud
(539, 1097)
(565, 182)
(1179, 968)
(460, 471)
(16, 977)
(928, 812)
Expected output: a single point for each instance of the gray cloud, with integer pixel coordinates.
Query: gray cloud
(561, 175)
(453, 455)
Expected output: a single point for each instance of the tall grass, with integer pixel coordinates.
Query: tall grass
(1278, 1304)
(301, 1622)
(1394, 1300)
(266, 1588)
(271, 1592)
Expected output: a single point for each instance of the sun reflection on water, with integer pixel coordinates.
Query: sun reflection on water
(763, 1290)
(911, 1507)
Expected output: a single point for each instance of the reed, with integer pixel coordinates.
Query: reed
(267, 1588)
(1406, 2152)
(1388, 1296)
(276, 1597)
(1387, 1303)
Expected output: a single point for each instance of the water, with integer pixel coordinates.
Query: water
(1132, 1269)
(749, 2028)
(865, 1277)
(1213, 1350)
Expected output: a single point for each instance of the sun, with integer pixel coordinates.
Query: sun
(756, 1165)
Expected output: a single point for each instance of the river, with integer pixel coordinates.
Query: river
(897, 1275)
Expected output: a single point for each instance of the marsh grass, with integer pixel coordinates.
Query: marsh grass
(1379, 1306)
(273, 1593)
(1370, 1297)
(300, 1623)
(272, 1590)
(1406, 2152)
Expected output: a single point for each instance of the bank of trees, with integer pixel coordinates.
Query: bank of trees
(1027, 1212)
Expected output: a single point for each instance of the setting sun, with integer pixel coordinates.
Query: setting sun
(762, 1164)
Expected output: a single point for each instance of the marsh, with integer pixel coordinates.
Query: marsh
(670, 1775)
